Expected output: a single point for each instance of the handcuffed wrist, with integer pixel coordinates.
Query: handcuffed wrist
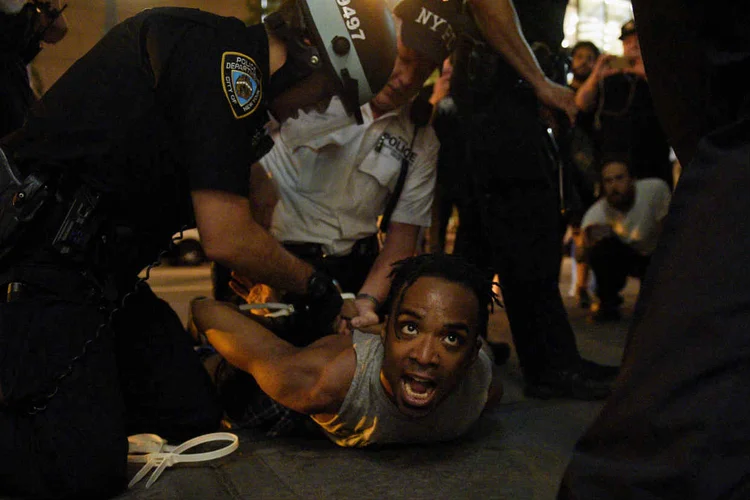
(367, 296)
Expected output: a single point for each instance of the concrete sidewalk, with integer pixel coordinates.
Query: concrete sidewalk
(517, 451)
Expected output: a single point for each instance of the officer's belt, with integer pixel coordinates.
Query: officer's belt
(366, 247)
(22, 282)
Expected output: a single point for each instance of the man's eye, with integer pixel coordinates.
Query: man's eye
(453, 340)
(409, 329)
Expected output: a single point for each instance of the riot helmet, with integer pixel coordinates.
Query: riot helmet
(354, 40)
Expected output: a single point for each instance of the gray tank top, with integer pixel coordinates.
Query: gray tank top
(368, 416)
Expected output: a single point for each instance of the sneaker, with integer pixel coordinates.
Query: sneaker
(568, 384)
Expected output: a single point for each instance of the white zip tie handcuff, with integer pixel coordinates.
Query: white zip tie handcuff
(280, 308)
(154, 451)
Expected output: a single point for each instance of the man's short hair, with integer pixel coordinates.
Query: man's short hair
(585, 44)
(449, 267)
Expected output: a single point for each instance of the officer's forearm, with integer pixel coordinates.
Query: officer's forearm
(498, 21)
(400, 243)
(231, 237)
(259, 256)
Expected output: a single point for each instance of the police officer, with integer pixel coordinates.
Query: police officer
(152, 130)
(497, 86)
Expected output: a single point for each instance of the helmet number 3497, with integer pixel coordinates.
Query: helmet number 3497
(352, 21)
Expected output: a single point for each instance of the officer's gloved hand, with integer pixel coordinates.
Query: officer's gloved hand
(316, 310)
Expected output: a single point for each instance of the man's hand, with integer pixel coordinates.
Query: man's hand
(597, 232)
(637, 69)
(558, 97)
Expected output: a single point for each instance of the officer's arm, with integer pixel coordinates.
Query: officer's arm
(498, 21)
(400, 243)
(230, 236)
(309, 380)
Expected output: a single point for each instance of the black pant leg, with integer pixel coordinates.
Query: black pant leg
(75, 446)
(522, 227)
(167, 391)
(610, 260)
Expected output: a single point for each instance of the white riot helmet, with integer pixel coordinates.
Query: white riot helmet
(354, 39)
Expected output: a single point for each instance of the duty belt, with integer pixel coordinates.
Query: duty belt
(366, 247)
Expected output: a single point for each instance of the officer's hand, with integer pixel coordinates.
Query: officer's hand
(320, 305)
(558, 97)
(366, 314)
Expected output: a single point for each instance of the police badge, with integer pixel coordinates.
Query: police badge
(241, 79)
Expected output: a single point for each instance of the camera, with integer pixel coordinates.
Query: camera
(621, 62)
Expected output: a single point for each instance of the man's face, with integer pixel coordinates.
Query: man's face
(618, 186)
(582, 62)
(430, 340)
(408, 75)
(631, 47)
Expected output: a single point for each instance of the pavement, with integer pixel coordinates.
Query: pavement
(519, 450)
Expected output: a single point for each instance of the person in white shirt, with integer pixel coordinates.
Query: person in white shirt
(621, 231)
(335, 176)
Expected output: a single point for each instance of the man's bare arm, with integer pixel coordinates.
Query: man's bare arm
(309, 380)
(230, 236)
(498, 22)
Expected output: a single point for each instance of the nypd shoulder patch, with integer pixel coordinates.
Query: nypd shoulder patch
(241, 79)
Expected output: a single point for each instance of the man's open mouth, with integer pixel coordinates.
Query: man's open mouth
(417, 391)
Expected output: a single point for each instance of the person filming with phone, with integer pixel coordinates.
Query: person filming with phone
(625, 123)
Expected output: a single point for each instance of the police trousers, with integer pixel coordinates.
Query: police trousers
(140, 376)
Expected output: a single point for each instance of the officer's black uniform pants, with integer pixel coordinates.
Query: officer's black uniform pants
(512, 225)
(144, 379)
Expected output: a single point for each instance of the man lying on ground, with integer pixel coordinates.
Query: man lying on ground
(424, 378)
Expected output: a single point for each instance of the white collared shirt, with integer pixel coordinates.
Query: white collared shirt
(334, 176)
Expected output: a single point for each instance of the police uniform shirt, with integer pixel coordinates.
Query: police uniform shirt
(169, 101)
(335, 177)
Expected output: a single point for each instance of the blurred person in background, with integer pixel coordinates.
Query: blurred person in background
(625, 121)
(584, 160)
(621, 231)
